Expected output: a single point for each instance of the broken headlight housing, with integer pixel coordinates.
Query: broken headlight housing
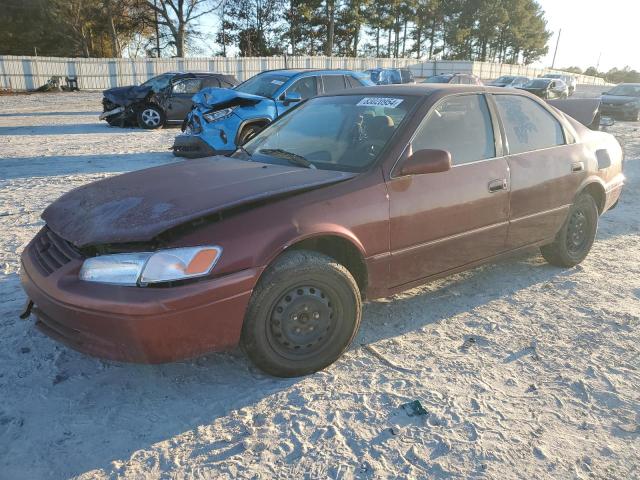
(147, 268)
(215, 115)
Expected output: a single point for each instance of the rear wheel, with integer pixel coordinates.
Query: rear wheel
(574, 240)
(150, 117)
(303, 314)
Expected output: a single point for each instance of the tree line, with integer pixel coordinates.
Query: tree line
(507, 31)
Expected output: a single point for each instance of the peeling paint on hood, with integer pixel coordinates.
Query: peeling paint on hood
(138, 206)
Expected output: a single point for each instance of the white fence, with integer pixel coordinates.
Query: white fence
(26, 73)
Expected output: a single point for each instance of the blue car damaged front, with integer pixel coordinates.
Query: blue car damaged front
(222, 119)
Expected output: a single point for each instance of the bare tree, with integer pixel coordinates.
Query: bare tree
(179, 17)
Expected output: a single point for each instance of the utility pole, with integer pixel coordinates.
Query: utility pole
(556, 50)
(598, 64)
(157, 28)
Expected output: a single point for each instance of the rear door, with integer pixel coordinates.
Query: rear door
(333, 83)
(546, 169)
(179, 103)
(441, 221)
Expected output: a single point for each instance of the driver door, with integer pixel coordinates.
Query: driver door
(179, 103)
(441, 221)
(307, 87)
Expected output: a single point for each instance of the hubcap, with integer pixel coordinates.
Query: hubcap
(577, 232)
(151, 117)
(301, 320)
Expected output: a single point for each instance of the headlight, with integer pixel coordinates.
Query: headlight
(218, 114)
(151, 267)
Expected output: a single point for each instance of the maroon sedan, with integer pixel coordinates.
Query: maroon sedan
(351, 196)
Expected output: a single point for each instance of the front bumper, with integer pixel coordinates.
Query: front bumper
(193, 146)
(131, 324)
(617, 111)
(114, 111)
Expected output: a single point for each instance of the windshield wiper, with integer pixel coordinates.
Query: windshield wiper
(290, 156)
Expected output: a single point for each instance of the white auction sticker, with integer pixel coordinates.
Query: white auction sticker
(379, 102)
(277, 82)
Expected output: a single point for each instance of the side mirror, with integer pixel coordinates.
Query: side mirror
(292, 97)
(427, 161)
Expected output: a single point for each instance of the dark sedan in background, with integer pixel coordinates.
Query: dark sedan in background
(622, 101)
(160, 100)
(547, 88)
(454, 79)
(511, 81)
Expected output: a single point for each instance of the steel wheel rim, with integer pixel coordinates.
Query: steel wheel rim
(577, 232)
(301, 321)
(151, 117)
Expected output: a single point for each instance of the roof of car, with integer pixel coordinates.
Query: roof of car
(419, 89)
(296, 71)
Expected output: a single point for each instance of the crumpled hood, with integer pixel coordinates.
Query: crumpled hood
(126, 95)
(138, 206)
(223, 97)
(618, 99)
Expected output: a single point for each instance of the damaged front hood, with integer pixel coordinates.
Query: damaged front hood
(124, 96)
(224, 97)
(138, 206)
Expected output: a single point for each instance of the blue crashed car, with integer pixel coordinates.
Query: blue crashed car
(223, 118)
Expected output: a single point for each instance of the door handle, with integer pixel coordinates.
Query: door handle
(497, 185)
(577, 166)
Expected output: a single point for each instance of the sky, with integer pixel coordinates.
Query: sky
(594, 27)
(608, 30)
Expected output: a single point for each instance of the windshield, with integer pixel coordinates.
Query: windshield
(540, 83)
(438, 79)
(505, 79)
(552, 75)
(263, 84)
(160, 82)
(625, 90)
(344, 133)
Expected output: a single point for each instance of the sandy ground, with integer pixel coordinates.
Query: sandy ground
(525, 370)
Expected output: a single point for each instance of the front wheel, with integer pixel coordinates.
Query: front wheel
(150, 117)
(574, 240)
(303, 314)
(248, 133)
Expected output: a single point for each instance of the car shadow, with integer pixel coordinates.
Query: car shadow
(100, 412)
(29, 167)
(50, 114)
(66, 129)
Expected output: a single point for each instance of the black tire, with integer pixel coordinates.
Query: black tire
(150, 117)
(248, 133)
(575, 238)
(302, 316)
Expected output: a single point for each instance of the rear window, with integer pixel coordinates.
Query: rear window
(527, 124)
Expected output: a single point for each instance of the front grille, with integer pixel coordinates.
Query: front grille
(50, 251)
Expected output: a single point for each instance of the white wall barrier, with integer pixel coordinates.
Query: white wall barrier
(26, 73)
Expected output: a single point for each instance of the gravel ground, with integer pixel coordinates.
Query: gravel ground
(525, 370)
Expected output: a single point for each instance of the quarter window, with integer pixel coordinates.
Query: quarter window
(306, 87)
(527, 124)
(460, 125)
(333, 83)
